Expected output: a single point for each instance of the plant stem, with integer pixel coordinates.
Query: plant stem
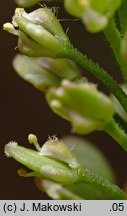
(121, 122)
(113, 37)
(121, 16)
(89, 177)
(101, 74)
(118, 134)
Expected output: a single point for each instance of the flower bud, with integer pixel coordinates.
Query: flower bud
(93, 20)
(31, 48)
(94, 13)
(30, 70)
(77, 7)
(45, 72)
(63, 68)
(40, 31)
(107, 7)
(81, 104)
(50, 168)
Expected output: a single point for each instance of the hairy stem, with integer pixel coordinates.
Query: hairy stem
(59, 172)
(101, 74)
(113, 37)
(98, 181)
(118, 134)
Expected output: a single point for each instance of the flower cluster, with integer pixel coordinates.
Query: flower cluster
(48, 62)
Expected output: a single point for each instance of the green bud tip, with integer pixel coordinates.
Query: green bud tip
(40, 33)
(82, 104)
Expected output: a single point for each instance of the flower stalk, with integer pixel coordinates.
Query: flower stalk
(101, 74)
(117, 133)
(59, 165)
(113, 36)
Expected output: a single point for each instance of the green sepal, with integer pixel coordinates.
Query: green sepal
(40, 33)
(43, 166)
(60, 169)
(44, 73)
(31, 70)
(81, 104)
(30, 48)
(93, 20)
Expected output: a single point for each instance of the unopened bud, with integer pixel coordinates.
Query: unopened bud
(44, 73)
(95, 14)
(41, 27)
(93, 20)
(81, 104)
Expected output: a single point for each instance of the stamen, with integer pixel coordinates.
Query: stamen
(33, 140)
(10, 28)
(22, 172)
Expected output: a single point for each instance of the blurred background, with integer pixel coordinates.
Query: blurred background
(23, 109)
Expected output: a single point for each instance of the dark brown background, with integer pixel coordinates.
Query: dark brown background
(23, 109)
